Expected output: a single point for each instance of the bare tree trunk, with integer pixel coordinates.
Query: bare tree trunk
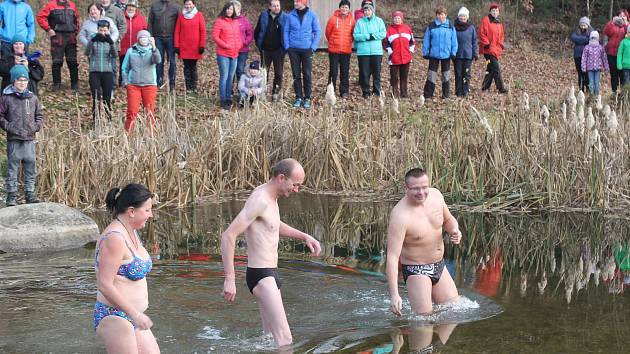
(610, 12)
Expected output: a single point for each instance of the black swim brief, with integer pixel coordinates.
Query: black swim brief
(254, 275)
(433, 271)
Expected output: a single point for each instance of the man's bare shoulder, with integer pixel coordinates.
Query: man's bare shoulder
(258, 201)
(400, 210)
(436, 195)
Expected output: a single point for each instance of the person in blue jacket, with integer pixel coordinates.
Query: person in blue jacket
(17, 19)
(439, 46)
(369, 33)
(467, 50)
(580, 38)
(301, 35)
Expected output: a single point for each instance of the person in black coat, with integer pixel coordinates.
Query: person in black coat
(19, 56)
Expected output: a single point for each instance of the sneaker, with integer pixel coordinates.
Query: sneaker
(56, 87)
(11, 199)
(226, 105)
(297, 103)
(275, 97)
(503, 91)
(344, 95)
(307, 103)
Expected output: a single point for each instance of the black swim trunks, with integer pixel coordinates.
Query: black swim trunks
(433, 271)
(254, 275)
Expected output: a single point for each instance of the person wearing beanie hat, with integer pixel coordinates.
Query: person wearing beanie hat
(19, 57)
(593, 62)
(615, 30)
(491, 39)
(21, 117)
(339, 35)
(61, 21)
(190, 41)
(623, 58)
(136, 22)
(139, 77)
(467, 51)
(368, 34)
(400, 45)
(358, 13)
(439, 46)
(251, 85)
(302, 33)
(17, 18)
(580, 37)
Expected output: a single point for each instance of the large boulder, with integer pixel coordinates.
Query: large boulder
(44, 227)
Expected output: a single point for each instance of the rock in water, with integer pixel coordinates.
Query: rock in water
(44, 227)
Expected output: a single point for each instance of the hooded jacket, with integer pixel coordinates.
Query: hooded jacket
(35, 72)
(162, 18)
(90, 27)
(366, 27)
(303, 34)
(247, 82)
(440, 40)
(134, 25)
(594, 58)
(399, 44)
(615, 35)
(17, 18)
(491, 37)
(623, 55)
(580, 40)
(190, 35)
(20, 114)
(139, 66)
(227, 35)
(62, 18)
(339, 31)
(247, 33)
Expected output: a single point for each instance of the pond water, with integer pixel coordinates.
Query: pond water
(544, 283)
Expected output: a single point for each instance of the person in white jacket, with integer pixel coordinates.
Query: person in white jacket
(251, 85)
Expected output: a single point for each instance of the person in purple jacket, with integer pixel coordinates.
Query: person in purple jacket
(247, 36)
(594, 61)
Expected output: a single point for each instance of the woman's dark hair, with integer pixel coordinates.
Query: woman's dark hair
(223, 12)
(133, 195)
(185, 1)
(98, 6)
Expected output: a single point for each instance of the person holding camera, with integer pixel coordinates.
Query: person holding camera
(19, 56)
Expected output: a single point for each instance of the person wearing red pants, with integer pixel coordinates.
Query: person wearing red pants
(140, 78)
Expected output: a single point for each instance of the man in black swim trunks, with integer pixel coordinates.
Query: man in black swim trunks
(414, 237)
(260, 222)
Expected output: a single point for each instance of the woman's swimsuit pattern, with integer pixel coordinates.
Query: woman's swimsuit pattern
(135, 270)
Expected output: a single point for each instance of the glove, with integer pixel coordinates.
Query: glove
(202, 50)
(486, 47)
(108, 39)
(98, 38)
(176, 51)
(372, 37)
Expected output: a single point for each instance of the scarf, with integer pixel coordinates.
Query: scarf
(189, 14)
(461, 26)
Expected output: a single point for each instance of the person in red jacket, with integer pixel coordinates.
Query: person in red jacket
(61, 22)
(339, 35)
(226, 33)
(491, 39)
(190, 41)
(400, 45)
(135, 23)
(615, 30)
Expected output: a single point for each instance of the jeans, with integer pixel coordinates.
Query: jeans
(227, 68)
(301, 67)
(136, 94)
(616, 75)
(166, 44)
(462, 77)
(593, 81)
(21, 152)
(240, 65)
(340, 64)
(370, 65)
(275, 57)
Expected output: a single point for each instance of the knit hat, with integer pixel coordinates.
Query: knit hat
(494, 5)
(585, 21)
(102, 23)
(398, 14)
(254, 65)
(143, 33)
(594, 35)
(368, 5)
(18, 71)
(304, 2)
(463, 12)
(132, 3)
(345, 2)
(618, 20)
(364, 2)
(18, 38)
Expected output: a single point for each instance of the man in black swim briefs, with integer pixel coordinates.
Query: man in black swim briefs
(414, 237)
(260, 222)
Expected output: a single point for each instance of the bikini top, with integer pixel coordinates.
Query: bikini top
(136, 269)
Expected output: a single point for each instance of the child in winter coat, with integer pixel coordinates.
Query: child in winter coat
(400, 45)
(21, 117)
(251, 85)
(580, 38)
(623, 58)
(594, 61)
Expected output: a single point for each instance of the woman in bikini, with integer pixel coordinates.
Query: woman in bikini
(122, 264)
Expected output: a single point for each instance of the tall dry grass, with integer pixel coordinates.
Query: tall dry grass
(514, 158)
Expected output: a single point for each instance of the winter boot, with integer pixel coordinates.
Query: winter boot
(31, 197)
(429, 85)
(11, 199)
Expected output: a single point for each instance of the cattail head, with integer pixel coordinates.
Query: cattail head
(525, 102)
(544, 114)
(330, 95)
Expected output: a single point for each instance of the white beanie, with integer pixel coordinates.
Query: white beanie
(594, 35)
(463, 12)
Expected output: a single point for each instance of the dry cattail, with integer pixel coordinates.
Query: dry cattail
(421, 101)
(581, 99)
(590, 119)
(525, 102)
(611, 123)
(598, 102)
(544, 115)
(395, 105)
(542, 283)
(563, 109)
